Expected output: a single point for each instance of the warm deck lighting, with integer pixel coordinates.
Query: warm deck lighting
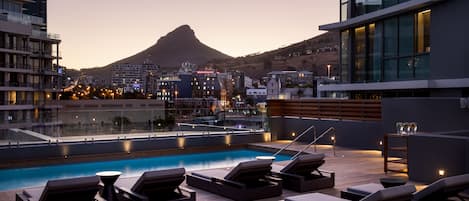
(127, 146)
(267, 137)
(181, 142)
(333, 138)
(293, 134)
(65, 151)
(228, 140)
(381, 143)
(441, 172)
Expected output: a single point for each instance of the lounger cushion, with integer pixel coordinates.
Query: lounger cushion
(249, 171)
(80, 188)
(365, 189)
(314, 197)
(211, 173)
(159, 181)
(393, 193)
(454, 183)
(304, 164)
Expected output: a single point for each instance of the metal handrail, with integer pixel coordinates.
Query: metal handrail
(296, 139)
(313, 142)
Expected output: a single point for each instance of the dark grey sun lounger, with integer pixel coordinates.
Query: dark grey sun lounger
(303, 174)
(75, 189)
(157, 185)
(443, 189)
(247, 181)
(398, 193)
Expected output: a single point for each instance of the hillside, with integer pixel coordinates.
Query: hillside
(312, 55)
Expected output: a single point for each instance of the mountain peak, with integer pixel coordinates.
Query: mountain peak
(183, 33)
(178, 46)
(183, 29)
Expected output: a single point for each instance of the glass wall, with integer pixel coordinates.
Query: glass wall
(361, 7)
(423, 31)
(359, 55)
(343, 10)
(375, 35)
(344, 57)
(390, 38)
(393, 49)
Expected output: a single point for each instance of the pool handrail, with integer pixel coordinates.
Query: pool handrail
(296, 139)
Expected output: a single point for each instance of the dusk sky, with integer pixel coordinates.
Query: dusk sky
(96, 33)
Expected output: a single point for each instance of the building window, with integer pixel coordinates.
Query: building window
(375, 35)
(343, 10)
(366, 6)
(359, 55)
(388, 3)
(344, 47)
(423, 32)
(390, 37)
(394, 49)
(406, 35)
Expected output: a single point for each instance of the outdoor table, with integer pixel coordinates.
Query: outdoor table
(109, 178)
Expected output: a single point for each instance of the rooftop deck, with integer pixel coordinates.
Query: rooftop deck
(352, 167)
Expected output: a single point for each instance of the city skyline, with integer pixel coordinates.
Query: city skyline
(89, 29)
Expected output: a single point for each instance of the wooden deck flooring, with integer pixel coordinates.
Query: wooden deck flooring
(352, 167)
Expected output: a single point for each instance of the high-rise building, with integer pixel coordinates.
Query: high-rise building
(401, 48)
(30, 76)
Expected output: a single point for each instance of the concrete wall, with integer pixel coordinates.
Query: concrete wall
(353, 134)
(431, 114)
(37, 152)
(430, 153)
(449, 41)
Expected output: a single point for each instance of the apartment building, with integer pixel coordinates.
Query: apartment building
(29, 74)
(401, 48)
(289, 84)
(205, 84)
(133, 77)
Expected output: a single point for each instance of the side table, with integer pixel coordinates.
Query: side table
(109, 178)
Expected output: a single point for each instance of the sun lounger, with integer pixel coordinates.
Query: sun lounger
(303, 174)
(247, 181)
(75, 189)
(358, 192)
(443, 188)
(156, 185)
(398, 193)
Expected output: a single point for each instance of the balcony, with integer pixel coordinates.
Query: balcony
(45, 35)
(18, 49)
(16, 66)
(10, 16)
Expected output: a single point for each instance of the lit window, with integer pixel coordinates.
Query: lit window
(423, 31)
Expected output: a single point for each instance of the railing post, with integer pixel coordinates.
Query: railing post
(333, 143)
(315, 139)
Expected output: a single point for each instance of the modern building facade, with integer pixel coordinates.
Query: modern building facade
(401, 48)
(30, 77)
(133, 77)
(205, 84)
(37, 8)
(290, 84)
(167, 88)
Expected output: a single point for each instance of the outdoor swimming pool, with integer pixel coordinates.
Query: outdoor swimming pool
(38, 176)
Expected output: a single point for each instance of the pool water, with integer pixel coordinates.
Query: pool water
(38, 176)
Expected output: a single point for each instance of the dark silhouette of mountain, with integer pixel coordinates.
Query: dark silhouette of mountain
(176, 47)
(169, 52)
